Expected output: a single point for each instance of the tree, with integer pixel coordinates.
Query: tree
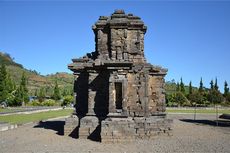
(182, 89)
(21, 94)
(216, 85)
(190, 91)
(211, 85)
(196, 97)
(180, 99)
(3, 86)
(64, 92)
(226, 89)
(18, 97)
(11, 89)
(228, 98)
(24, 90)
(56, 95)
(41, 95)
(170, 100)
(177, 87)
(215, 96)
(201, 87)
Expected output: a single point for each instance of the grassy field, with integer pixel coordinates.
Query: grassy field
(10, 110)
(35, 117)
(208, 111)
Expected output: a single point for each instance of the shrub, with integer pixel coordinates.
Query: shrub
(196, 97)
(215, 97)
(35, 103)
(49, 102)
(181, 99)
(177, 99)
(67, 100)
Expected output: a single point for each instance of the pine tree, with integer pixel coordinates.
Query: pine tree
(201, 87)
(190, 88)
(56, 95)
(211, 85)
(24, 90)
(18, 97)
(10, 83)
(177, 87)
(11, 88)
(3, 86)
(182, 89)
(21, 95)
(216, 85)
(226, 89)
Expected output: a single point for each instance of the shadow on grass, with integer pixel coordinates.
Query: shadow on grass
(53, 125)
(221, 123)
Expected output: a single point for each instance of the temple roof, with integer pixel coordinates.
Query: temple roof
(120, 20)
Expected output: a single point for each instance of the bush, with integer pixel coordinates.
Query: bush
(67, 100)
(49, 102)
(177, 99)
(215, 97)
(181, 99)
(196, 97)
(35, 103)
(170, 100)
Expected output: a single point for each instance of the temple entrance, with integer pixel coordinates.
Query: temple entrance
(118, 95)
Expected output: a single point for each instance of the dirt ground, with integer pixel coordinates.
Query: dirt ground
(201, 135)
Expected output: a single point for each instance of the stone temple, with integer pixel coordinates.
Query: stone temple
(119, 96)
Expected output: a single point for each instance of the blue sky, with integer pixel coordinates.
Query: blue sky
(190, 38)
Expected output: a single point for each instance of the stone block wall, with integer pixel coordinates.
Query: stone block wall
(156, 94)
(71, 124)
(130, 129)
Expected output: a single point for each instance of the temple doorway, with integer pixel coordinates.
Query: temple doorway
(118, 95)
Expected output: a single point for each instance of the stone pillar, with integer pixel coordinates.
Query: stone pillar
(91, 102)
(91, 94)
(111, 97)
(112, 107)
(76, 75)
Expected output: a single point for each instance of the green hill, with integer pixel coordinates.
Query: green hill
(65, 80)
(35, 80)
(171, 86)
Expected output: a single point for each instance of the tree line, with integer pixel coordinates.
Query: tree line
(18, 95)
(199, 97)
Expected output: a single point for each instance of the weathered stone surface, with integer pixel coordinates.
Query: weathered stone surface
(71, 123)
(119, 95)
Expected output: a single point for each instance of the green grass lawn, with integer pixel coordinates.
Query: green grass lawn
(208, 111)
(9, 110)
(35, 117)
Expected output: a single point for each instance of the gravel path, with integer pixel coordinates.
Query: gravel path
(188, 136)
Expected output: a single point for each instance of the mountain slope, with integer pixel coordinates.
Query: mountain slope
(65, 80)
(35, 80)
